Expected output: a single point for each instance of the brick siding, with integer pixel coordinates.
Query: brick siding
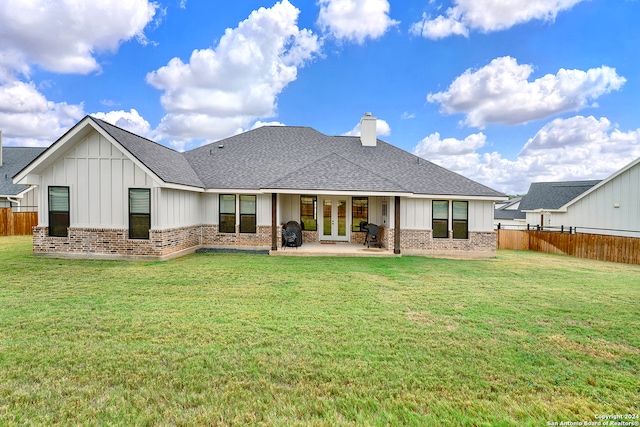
(162, 243)
(211, 236)
(115, 242)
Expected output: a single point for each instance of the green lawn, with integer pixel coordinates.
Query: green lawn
(232, 339)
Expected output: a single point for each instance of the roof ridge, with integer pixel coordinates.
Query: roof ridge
(131, 133)
(220, 141)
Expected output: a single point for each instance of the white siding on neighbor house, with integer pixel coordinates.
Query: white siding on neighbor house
(597, 210)
(177, 208)
(415, 214)
(211, 202)
(28, 202)
(98, 176)
(30, 199)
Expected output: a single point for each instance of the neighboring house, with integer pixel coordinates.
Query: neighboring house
(18, 196)
(544, 199)
(509, 215)
(610, 206)
(109, 192)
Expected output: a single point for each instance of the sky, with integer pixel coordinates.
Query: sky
(505, 92)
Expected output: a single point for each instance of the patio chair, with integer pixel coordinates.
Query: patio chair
(373, 236)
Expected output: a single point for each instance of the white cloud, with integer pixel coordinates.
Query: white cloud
(406, 116)
(438, 28)
(129, 120)
(64, 35)
(501, 92)
(355, 20)
(563, 150)
(226, 88)
(488, 15)
(28, 118)
(259, 124)
(382, 129)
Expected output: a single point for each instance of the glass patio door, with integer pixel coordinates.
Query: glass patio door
(334, 219)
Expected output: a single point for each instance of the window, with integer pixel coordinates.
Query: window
(58, 211)
(440, 221)
(139, 213)
(227, 213)
(460, 220)
(309, 212)
(359, 212)
(247, 214)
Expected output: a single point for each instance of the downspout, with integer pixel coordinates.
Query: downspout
(15, 200)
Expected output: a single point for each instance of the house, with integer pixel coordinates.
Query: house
(20, 197)
(610, 206)
(108, 192)
(544, 200)
(508, 215)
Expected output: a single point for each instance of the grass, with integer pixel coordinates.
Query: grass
(228, 339)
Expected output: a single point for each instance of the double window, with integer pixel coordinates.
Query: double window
(359, 212)
(139, 213)
(58, 211)
(227, 218)
(309, 212)
(460, 219)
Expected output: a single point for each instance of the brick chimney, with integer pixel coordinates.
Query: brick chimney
(368, 130)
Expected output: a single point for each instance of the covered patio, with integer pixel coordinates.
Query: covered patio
(333, 249)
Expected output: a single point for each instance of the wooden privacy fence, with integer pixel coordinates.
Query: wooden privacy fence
(582, 245)
(17, 223)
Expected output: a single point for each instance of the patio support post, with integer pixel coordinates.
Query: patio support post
(396, 226)
(274, 222)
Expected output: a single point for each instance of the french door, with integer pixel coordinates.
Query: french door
(334, 219)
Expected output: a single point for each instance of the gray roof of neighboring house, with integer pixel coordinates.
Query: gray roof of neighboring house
(14, 159)
(507, 212)
(169, 165)
(553, 195)
(301, 158)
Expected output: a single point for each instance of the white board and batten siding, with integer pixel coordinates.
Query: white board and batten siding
(415, 214)
(98, 176)
(178, 208)
(598, 209)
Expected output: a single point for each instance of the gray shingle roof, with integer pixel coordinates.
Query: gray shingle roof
(14, 159)
(169, 165)
(296, 158)
(275, 155)
(337, 173)
(553, 195)
(507, 212)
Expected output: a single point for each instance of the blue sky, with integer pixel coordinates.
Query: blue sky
(504, 92)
